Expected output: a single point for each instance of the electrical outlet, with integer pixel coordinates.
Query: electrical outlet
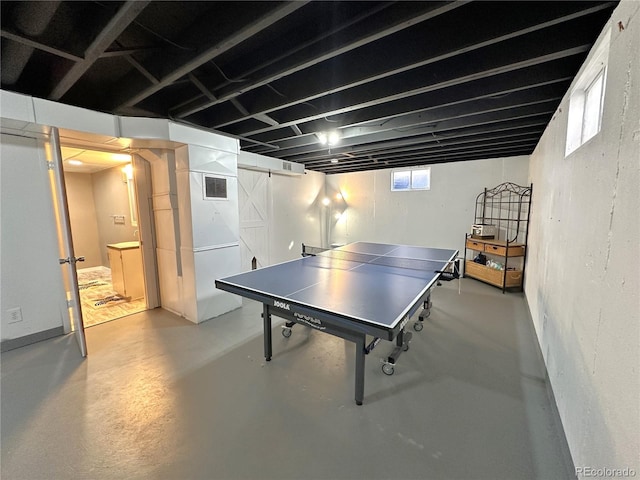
(15, 315)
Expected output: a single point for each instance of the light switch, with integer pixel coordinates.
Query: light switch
(118, 219)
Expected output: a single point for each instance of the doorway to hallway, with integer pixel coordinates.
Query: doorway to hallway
(104, 226)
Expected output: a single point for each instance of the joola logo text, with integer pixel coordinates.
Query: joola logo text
(282, 305)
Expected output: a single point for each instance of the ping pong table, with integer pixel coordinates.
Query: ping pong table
(356, 291)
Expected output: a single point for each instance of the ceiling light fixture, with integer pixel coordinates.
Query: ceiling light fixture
(334, 160)
(74, 162)
(328, 138)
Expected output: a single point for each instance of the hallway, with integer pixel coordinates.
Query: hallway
(161, 398)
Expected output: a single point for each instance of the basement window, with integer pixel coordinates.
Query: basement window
(587, 100)
(411, 179)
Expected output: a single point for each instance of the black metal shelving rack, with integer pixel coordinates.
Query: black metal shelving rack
(507, 207)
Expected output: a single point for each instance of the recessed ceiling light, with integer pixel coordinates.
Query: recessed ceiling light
(334, 160)
(74, 162)
(122, 156)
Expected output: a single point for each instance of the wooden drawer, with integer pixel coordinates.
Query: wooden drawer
(500, 250)
(491, 275)
(473, 245)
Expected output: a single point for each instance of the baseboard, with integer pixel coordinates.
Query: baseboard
(14, 343)
(555, 413)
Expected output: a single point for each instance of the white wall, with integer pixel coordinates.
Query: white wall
(111, 197)
(82, 217)
(30, 276)
(278, 213)
(29, 238)
(209, 230)
(439, 217)
(582, 275)
(294, 217)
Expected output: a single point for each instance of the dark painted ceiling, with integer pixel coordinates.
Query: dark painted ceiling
(403, 83)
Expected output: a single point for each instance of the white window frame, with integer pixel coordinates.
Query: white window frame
(580, 115)
(411, 172)
(589, 114)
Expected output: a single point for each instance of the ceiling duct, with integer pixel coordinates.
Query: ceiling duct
(31, 19)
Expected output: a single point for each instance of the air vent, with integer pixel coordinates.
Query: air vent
(286, 166)
(215, 187)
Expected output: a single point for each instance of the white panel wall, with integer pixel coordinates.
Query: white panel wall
(209, 231)
(30, 273)
(27, 190)
(583, 268)
(439, 217)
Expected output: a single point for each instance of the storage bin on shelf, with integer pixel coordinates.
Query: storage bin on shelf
(501, 251)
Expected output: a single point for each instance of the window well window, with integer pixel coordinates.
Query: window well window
(587, 99)
(411, 179)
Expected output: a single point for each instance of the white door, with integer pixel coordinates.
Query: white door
(253, 203)
(68, 257)
(146, 228)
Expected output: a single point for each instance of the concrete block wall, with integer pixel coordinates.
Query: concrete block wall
(583, 265)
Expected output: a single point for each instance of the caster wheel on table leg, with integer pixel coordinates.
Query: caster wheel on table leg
(286, 332)
(418, 326)
(405, 347)
(387, 368)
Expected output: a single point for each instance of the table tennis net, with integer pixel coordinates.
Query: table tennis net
(388, 261)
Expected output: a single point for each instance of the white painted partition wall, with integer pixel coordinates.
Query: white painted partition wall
(32, 280)
(209, 229)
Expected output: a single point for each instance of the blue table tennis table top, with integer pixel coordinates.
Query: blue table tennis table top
(370, 283)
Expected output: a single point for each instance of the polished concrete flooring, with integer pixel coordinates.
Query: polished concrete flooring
(160, 398)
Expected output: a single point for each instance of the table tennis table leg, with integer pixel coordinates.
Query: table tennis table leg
(360, 356)
(266, 318)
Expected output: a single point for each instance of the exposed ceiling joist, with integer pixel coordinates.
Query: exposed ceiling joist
(127, 13)
(212, 52)
(402, 83)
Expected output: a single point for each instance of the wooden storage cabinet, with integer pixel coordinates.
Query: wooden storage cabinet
(127, 275)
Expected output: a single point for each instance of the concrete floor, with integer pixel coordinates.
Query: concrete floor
(161, 398)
